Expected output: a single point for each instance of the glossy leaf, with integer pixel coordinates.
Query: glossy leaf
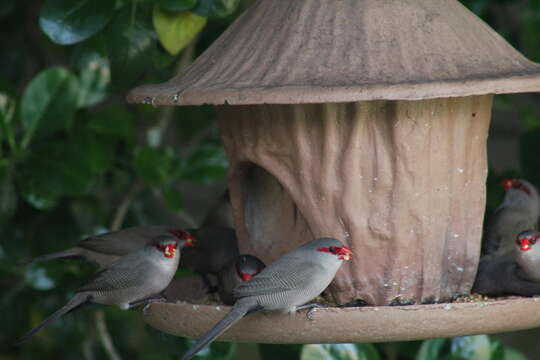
(470, 348)
(216, 8)
(430, 349)
(176, 5)
(67, 22)
(129, 42)
(48, 103)
(176, 29)
(94, 77)
(335, 352)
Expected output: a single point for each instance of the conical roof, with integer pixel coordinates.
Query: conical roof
(317, 51)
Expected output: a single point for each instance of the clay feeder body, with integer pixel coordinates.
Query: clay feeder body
(363, 120)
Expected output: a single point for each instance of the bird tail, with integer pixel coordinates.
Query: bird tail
(76, 302)
(57, 255)
(239, 310)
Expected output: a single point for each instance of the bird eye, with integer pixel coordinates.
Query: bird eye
(518, 241)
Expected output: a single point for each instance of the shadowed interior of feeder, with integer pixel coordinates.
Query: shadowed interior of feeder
(270, 215)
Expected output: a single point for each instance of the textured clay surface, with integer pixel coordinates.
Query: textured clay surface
(307, 51)
(352, 325)
(401, 182)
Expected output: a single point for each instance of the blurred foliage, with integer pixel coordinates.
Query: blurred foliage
(71, 148)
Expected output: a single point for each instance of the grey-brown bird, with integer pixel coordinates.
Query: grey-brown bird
(127, 282)
(518, 212)
(213, 248)
(514, 273)
(285, 285)
(527, 255)
(241, 269)
(221, 214)
(106, 248)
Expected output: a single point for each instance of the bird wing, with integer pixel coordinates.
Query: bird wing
(124, 273)
(279, 279)
(123, 241)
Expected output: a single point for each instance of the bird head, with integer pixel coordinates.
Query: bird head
(167, 245)
(526, 240)
(342, 252)
(247, 266)
(187, 238)
(516, 184)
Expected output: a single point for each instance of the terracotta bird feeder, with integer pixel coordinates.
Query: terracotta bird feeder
(363, 120)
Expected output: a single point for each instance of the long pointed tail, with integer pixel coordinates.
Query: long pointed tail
(239, 310)
(57, 255)
(75, 302)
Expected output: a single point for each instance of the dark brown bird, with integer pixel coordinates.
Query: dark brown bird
(106, 248)
(286, 284)
(241, 269)
(213, 248)
(127, 282)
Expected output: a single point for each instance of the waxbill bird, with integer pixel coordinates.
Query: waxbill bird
(527, 255)
(106, 248)
(131, 280)
(289, 282)
(517, 213)
(213, 248)
(501, 275)
(241, 269)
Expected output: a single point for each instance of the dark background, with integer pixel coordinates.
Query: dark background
(73, 155)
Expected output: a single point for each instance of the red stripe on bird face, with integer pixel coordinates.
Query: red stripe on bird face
(168, 250)
(189, 240)
(343, 252)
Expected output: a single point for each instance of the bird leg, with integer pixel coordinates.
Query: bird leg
(146, 302)
(312, 308)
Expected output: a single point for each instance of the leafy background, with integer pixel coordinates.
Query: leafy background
(76, 160)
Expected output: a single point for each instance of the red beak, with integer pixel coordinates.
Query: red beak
(507, 184)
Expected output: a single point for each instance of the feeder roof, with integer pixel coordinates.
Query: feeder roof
(309, 51)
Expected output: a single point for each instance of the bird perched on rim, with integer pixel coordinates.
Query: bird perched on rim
(241, 269)
(285, 285)
(132, 280)
(213, 248)
(514, 273)
(518, 212)
(106, 248)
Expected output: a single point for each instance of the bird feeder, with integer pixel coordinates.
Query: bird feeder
(363, 120)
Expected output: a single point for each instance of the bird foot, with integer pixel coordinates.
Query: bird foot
(310, 314)
(147, 303)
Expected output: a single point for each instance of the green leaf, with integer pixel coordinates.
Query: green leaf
(94, 76)
(154, 166)
(7, 111)
(8, 194)
(206, 164)
(430, 349)
(113, 122)
(67, 22)
(48, 103)
(216, 8)
(368, 352)
(513, 354)
(331, 352)
(177, 5)
(176, 29)
(173, 198)
(95, 153)
(129, 42)
(470, 348)
(53, 171)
